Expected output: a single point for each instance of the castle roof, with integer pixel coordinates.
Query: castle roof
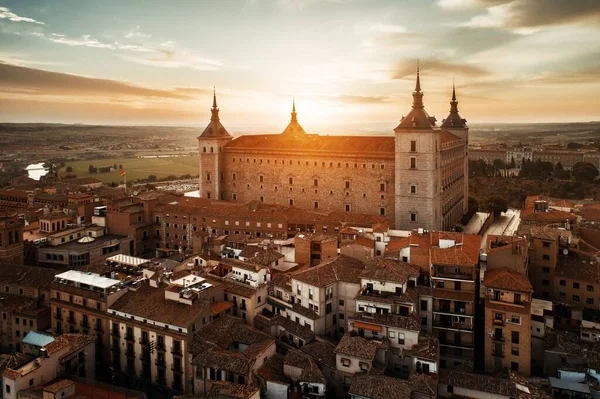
(417, 118)
(454, 120)
(215, 128)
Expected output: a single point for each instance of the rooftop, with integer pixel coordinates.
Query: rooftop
(508, 279)
(356, 346)
(85, 280)
(379, 387)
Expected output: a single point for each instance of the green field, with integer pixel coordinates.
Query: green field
(137, 168)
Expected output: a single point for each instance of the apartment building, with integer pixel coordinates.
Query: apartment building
(507, 252)
(228, 350)
(24, 304)
(451, 262)
(315, 248)
(315, 300)
(508, 321)
(152, 324)
(466, 383)
(79, 302)
(11, 239)
(67, 354)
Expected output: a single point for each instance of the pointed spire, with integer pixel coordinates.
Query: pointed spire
(214, 110)
(454, 102)
(418, 94)
(294, 116)
(418, 86)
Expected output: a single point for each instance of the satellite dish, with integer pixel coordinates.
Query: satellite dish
(565, 251)
(135, 193)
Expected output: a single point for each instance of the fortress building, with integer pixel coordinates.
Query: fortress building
(417, 178)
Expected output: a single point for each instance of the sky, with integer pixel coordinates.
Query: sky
(347, 63)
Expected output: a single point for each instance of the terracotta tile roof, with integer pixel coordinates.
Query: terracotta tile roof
(239, 289)
(353, 345)
(342, 268)
(411, 322)
(379, 387)
(424, 383)
(306, 312)
(259, 255)
(551, 216)
(150, 303)
(447, 137)
(219, 307)
(232, 390)
(72, 341)
(314, 144)
(290, 326)
(246, 265)
(508, 279)
(578, 269)
(12, 362)
(39, 277)
(214, 345)
(317, 237)
(426, 348)
(272, 370)
(549, 233)
(310, 371)
(59, 386)
(490, 384)
(322, 351)
(387, 269)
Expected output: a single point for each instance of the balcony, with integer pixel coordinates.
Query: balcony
(71, 320)
(144, 341)
(115, 333)
(452, 274)
(498, 322)
(160, 346)
(176, 350)
(98, 328)
(130, 353)
(84, 324)
(454, 324)
(129, 337)
(145, 357)
(498, 338)
(58, 316)
(497, 353)
(160, 363)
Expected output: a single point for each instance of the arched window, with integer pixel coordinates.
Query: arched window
(203, 149)
(212, 149)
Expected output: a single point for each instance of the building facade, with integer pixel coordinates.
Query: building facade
(417, 177)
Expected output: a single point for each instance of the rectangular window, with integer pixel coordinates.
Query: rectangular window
(575, 285)
(413, 163)
(590, 288)
(413, 189)
(576, 298)
(515, 337)
(590, 301)
(347, 184)
(546, 257)
(382, 211)
(316, 204)
(347, 207)
(413, 217)
(291, 180)
(563, 283)
(316, 182)
(381, 186)
(413, 146)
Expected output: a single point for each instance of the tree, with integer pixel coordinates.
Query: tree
(69, 169)
(152, 178)
(473, 206)
(496, 205)
(499, 164)
(512, 163)
(121, 166)
(584, 171)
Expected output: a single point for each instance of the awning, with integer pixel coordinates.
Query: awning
(277, 305)
(366, 326)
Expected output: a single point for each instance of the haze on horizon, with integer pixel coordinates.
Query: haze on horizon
(346, 62)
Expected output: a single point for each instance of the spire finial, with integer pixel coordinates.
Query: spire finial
(294, 118)
(214, 110)
(453, 91)
(418, 86)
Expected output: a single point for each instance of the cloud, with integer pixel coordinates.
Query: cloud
(89, 41)
(166, 58)
(586, 75)
(18, 79)
(387, 28)
(5, 13)
(407, 68)
(519, 14)
(135, 33)
(355, 99)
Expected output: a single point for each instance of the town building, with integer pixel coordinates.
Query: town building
(417, 178)
(67, 354)
(228, 350)
(24, 303)
(11, 240)
(507, 321)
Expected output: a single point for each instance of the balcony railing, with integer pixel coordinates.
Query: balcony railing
(160, 346)
(129, 337)
(499, 337)
(496, 353)
(177, 368)
(144, 341)
(58, 316)
(160, 363)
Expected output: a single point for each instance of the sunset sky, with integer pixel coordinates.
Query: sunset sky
(346, 62)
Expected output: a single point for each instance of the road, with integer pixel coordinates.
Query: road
(505, 224)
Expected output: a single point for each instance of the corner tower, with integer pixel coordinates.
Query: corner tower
(417, 168)
(210, 144)
(456, 125)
